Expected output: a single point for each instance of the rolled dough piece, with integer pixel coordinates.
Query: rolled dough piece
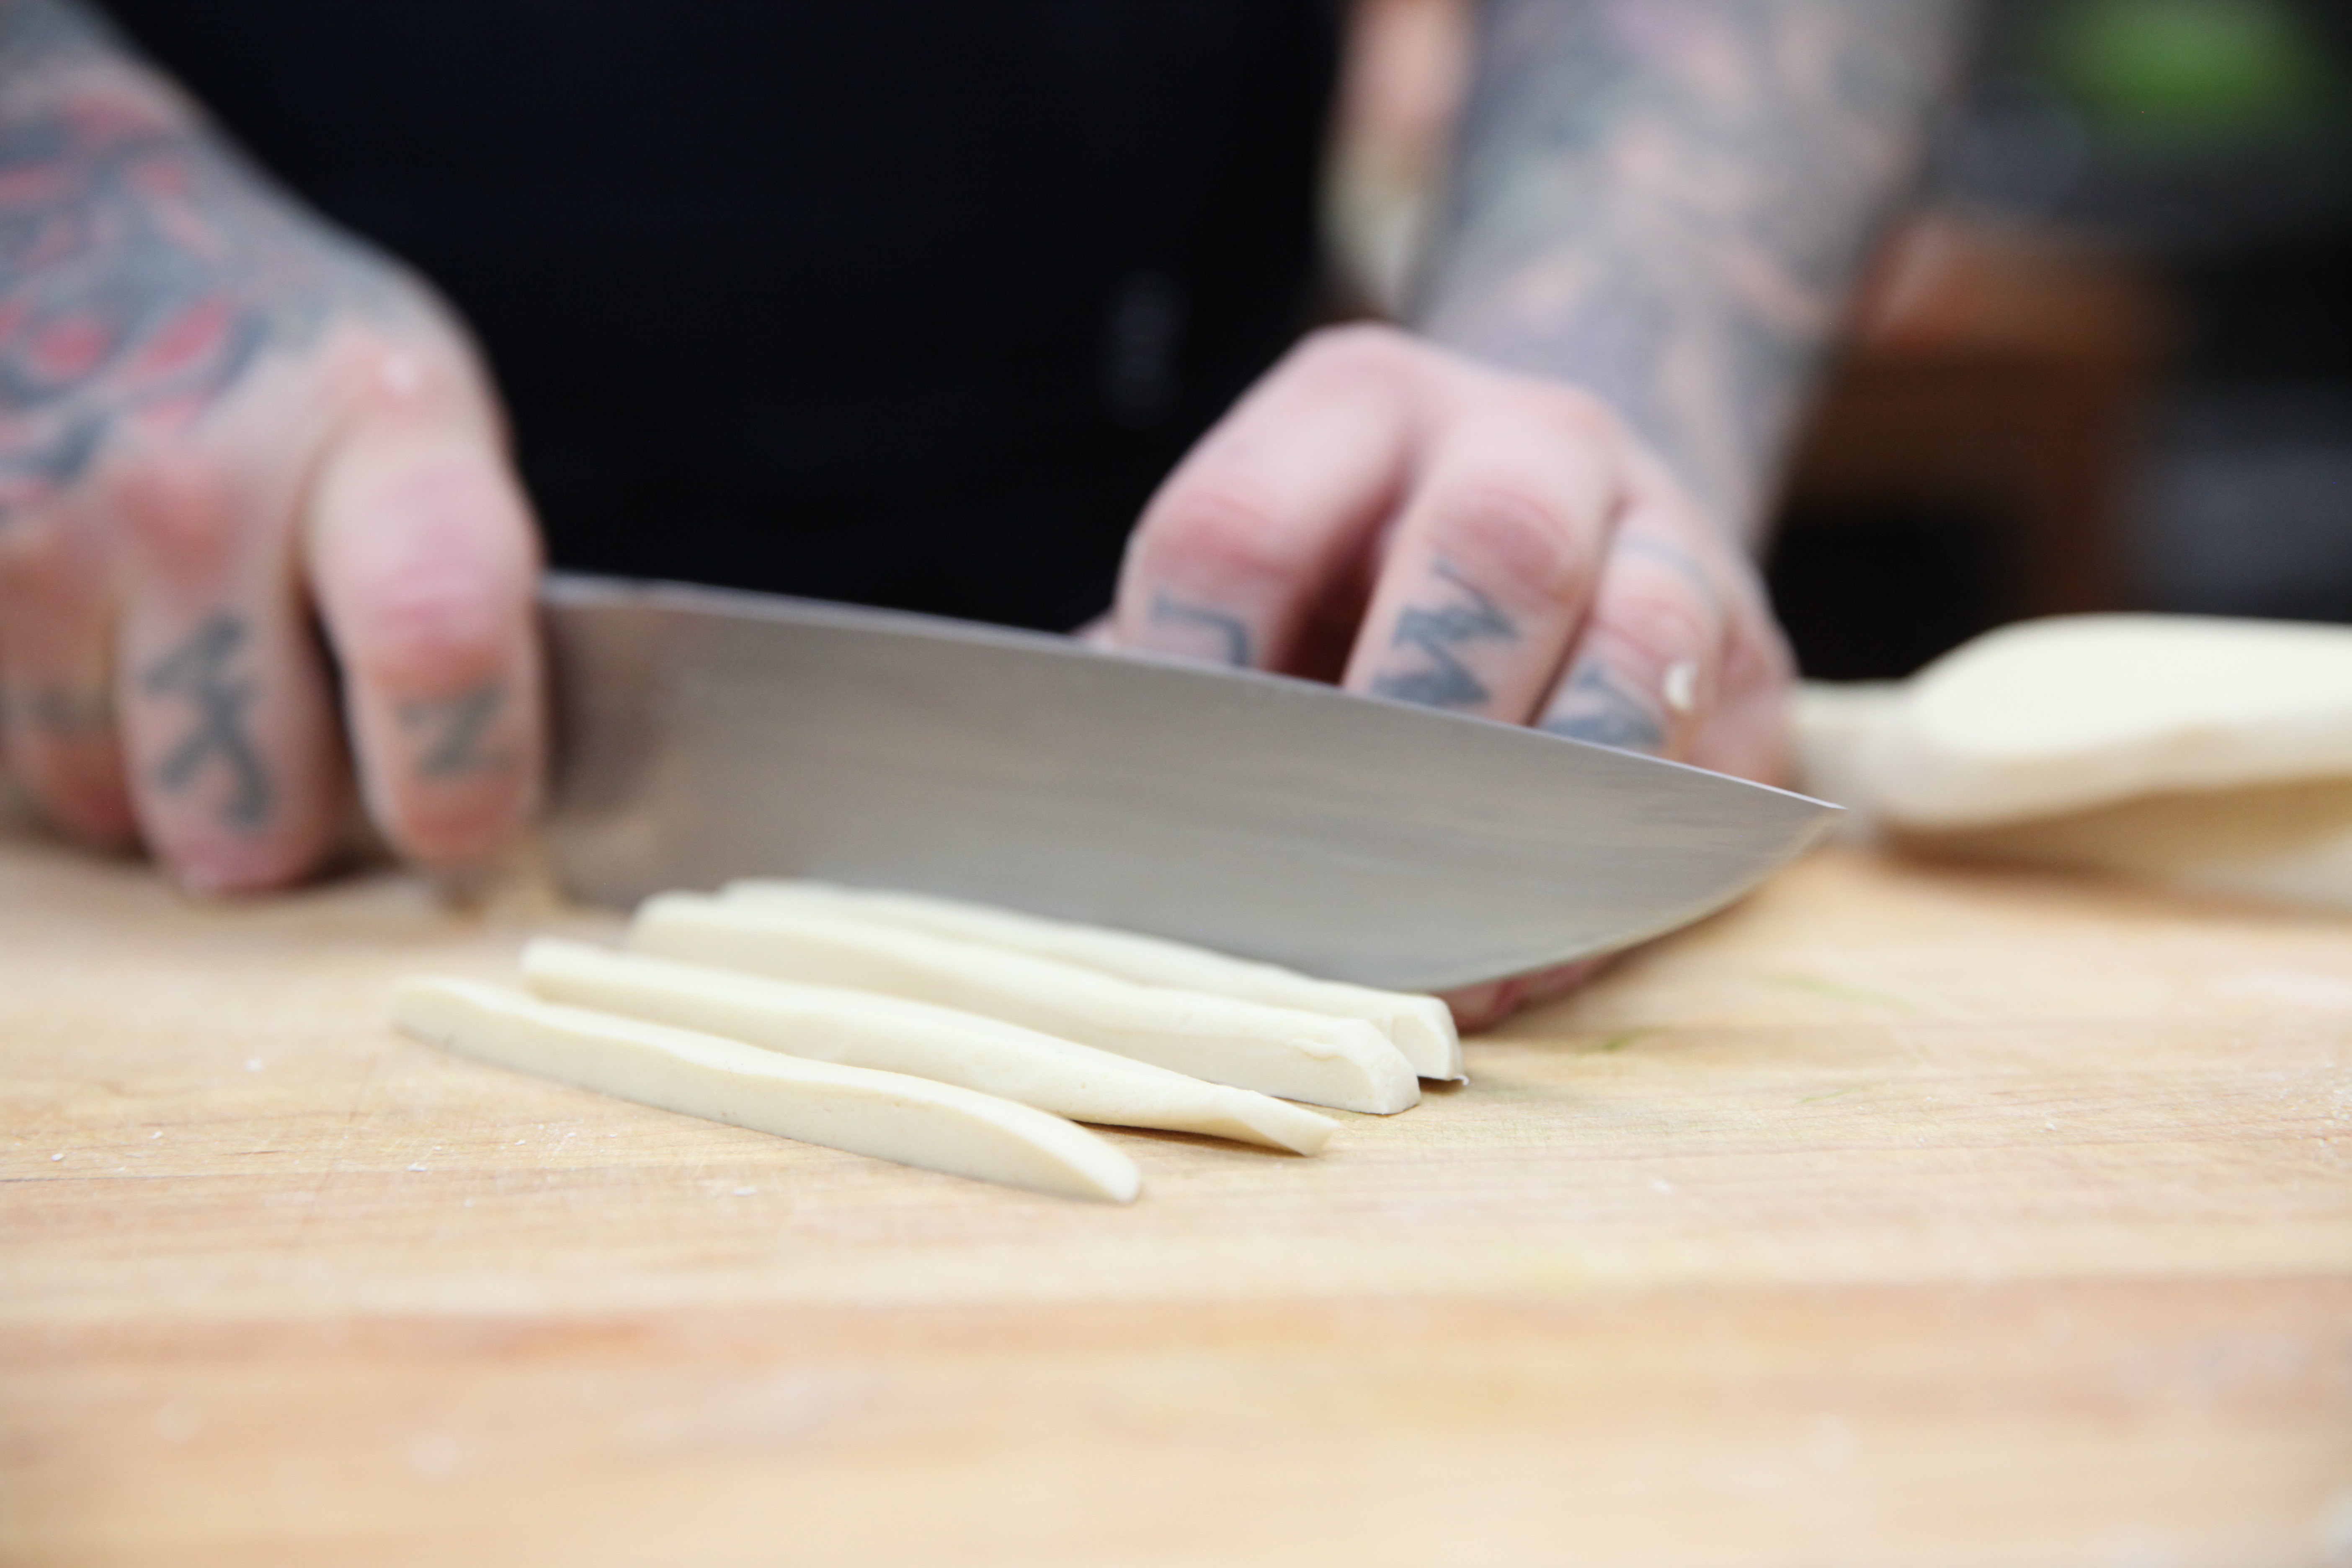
(891, 1116)
(1833, 725)
(858, 1028)
(2077, 711)
(1420, 1027)
(1342, 1062)
(2286, 843)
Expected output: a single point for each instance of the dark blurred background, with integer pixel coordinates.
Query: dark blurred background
(2106, 364)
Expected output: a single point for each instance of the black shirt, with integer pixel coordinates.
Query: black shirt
(903, 301)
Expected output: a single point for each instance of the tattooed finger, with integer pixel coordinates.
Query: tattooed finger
(1596, 705)
(1263, 523)
(234, 758)
(423, 560)
(1432, 650)
(1647, 666)
(454, 731)
(1494, 559)
(1225, 637)
(212, 673)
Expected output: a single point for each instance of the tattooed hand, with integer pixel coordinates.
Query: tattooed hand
(1436, 531)
(1657, 209)
(225, 430)
(1421, 527)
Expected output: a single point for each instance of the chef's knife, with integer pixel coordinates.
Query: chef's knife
(704, 734)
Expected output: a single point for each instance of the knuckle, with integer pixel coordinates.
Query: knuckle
(1516, 535)
(1570, 413)
(1354, 350)
(428, 623)
(177, 511)
(373, 374)
(1660, 622)
(1348, 339)
(1222, 531)
(427, 578)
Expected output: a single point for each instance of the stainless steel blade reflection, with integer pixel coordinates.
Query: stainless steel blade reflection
(705, 734)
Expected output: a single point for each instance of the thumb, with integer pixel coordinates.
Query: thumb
(423, 561)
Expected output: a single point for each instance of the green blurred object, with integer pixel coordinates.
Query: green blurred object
(2221, 70)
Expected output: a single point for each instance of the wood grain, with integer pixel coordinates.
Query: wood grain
(1903, 1215)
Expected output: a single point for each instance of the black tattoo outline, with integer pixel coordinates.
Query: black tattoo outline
(1239, 647)
(197, 671)
(1445, 681)
(461, 720)
(1594, 705)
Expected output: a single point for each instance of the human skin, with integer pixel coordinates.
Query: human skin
(234, 443)
(1536, 504)
(221, 421)
(1540, 504)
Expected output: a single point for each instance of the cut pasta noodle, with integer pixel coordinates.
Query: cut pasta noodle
(1342, 1062)
(1420, 1027)
(858, 1028)
(892, 1116)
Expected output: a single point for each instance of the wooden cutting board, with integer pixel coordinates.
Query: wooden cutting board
(1902, 1216)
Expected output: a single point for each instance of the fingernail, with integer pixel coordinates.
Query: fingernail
(1680, 687)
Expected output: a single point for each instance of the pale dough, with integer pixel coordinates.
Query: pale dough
(859, 1029)
(1420, 1027)
(2289, 843)
(2210, 755)
(1833, 724)
(2059, 715)
(891, 1116)
(1342, 1062)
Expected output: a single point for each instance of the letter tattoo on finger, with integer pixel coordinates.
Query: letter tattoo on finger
(1239, 646)
(1595, 706)
(457, 725)
(1442, 679)
(198, 673)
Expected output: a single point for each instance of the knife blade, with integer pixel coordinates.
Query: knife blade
(704, 734)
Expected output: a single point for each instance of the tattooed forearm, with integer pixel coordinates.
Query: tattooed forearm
(1593, 705)
(1234, 640)
(199, 674)
(144, 268)
(1663, 201)
(454, 729)
(1440, 677)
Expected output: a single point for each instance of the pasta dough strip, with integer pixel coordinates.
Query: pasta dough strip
(1420, 1027)
(824, 1023)
(891, 1116)
(1343, 1062)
